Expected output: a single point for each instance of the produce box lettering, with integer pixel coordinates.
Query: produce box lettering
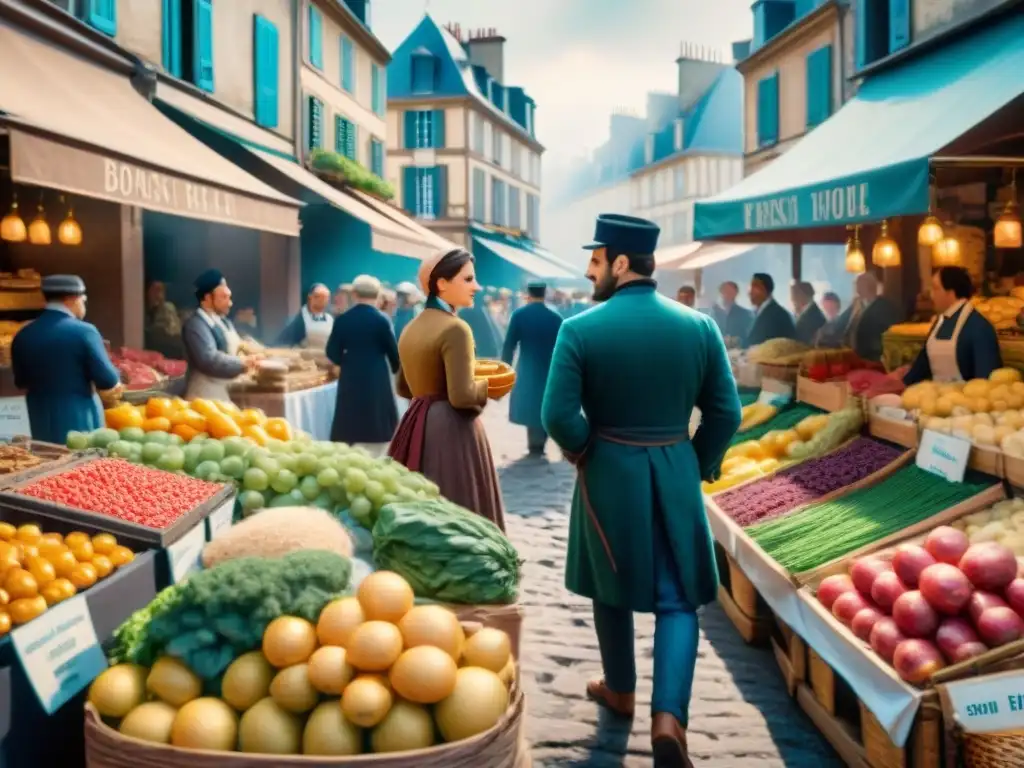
(990, 704)
(943, 455)
(60, 652)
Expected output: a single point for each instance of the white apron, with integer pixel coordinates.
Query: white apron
(201, 385)
(942, 353)
(317, 331)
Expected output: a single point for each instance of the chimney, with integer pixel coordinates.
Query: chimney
(698, 68)
(487, 49)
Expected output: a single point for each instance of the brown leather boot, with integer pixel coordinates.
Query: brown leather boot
(622, 704)
(668, 741)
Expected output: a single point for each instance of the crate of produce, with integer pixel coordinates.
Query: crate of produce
(110, 602)
(790, 653)
(22, 457)
(1013, 469)
(981, 729)
(987, 460)
(901, 432)
(119, 497)
(827, 395)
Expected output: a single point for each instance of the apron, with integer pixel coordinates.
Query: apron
(317, 331)
(202, 386)
(942, 353)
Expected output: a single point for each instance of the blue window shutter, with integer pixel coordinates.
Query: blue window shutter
(440, 173)
(899, 24)
(768, 110)
(382, 92)
(265, 71)
(819, 86)
(202, 47)
(375, 88)
(316, 123)
(347, 65)
(438, 129)
(377, 157)
(351, 140)
(861, 34)
(409, 189)
(102, 15)
(410, 129)
(339, 134)
(171, 39)
(316, 38)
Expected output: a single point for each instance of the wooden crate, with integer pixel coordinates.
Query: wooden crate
(826, 395)
(842, 735)
(924, 747)
(987, 460)
(745, 594)
(1013, 470)
(790, 654)
(753, 631)
(900, 432)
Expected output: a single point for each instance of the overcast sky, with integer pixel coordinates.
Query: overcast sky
(581, 59)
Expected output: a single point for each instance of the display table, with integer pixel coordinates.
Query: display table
(311, 410)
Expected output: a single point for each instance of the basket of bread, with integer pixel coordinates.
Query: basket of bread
(500, 376)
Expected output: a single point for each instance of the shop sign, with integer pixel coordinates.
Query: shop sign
(220, 519)
(990, 703)
(184, 555)
(823, 207)
(943, 455)
(14, 417)
(60, 652)
(139, 186)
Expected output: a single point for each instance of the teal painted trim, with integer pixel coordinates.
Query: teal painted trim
(347, 64)
(376, 95)
(102, 16)
(316, 37)
(899, 25)
(227, 134)
(819, 86)
(171, 37)
(409, 134)
(768, 110)
(266, 68)
(315, 132)
(860, 37)
(440, 173)
(202, 44)
(409, 189)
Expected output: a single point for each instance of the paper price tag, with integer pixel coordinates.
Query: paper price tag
(60, 652)
(220, 519)
(943, 455)
(184, 554)
(14, 417)
(990, 703)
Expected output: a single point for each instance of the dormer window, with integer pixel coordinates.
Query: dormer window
(649, 149)
(679, 128)
(424, 71)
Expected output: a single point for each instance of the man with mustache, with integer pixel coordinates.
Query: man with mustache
(625, 377)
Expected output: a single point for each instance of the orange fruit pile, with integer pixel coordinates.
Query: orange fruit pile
(188, 420)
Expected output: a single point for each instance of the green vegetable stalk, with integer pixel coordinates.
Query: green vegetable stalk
(221, 613)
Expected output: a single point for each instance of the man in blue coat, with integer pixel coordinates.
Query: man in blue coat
(771, 319)
(532, 328)
(60, 362)
(363, 345)
(625, 378)
(212, 343)
(733, 320)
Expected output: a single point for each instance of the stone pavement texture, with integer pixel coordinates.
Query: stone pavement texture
(740, 715)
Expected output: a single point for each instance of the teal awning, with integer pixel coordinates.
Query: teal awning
(871, 159)
(527, 261)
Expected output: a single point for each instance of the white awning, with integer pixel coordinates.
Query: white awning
(427, 235)
(704, 254)
(525, 260)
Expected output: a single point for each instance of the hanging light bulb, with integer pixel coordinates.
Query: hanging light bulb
(855, 261)
(39, 229)
(70, 231)
(12, 226)
(886, 252)
(946, 252)
(930, 232)
(1007, 231)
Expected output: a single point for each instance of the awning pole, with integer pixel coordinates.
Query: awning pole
(796, 258)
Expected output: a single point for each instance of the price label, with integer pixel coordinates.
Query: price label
(14, 417)
(184, 554)
(220, 519)
(943, 455)
(60, 652)
(990, 703)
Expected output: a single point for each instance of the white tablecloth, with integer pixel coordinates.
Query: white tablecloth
(311, 410)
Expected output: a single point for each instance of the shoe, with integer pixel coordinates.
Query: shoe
(622, 704)
(668, 741)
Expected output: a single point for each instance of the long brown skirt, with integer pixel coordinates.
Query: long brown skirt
(457, 456)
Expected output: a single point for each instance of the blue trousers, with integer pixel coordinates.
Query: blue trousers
(536, 439)
(675, 638)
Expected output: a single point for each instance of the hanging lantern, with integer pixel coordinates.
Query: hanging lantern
(70, 231)
(1007, 231)
(39, 229)
(12, 226)
(886, 252)
(855, 261)
(946, 252)
(930, 232)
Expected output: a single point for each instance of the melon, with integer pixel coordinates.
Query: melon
(205, 723)
(365, 702)
(489, 649)
(406, 726)
(329, 733)
(269, 729)
(476, 705)
(288, 640)
(338, 620)
(329, 670)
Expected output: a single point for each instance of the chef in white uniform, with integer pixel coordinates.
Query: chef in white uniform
(211, 341)
(311, 327)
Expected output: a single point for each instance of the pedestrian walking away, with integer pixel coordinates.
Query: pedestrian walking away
(532, 330)
(362, 343)
(625, 377)
(441, 434)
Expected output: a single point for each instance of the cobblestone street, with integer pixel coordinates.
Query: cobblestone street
(740, 715)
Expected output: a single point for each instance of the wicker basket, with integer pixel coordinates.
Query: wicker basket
(989, 750)
(501, 747)
(501, 377)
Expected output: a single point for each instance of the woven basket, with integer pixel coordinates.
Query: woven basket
(503, 378)
(507, 618)
(989, 750)
(500, 747)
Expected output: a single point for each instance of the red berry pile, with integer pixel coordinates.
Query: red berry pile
(130, 492)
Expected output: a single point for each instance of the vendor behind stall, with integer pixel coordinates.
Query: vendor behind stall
(311, 327)
(771, 319)
(58, 360)
(961, 344)
(211, 341)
